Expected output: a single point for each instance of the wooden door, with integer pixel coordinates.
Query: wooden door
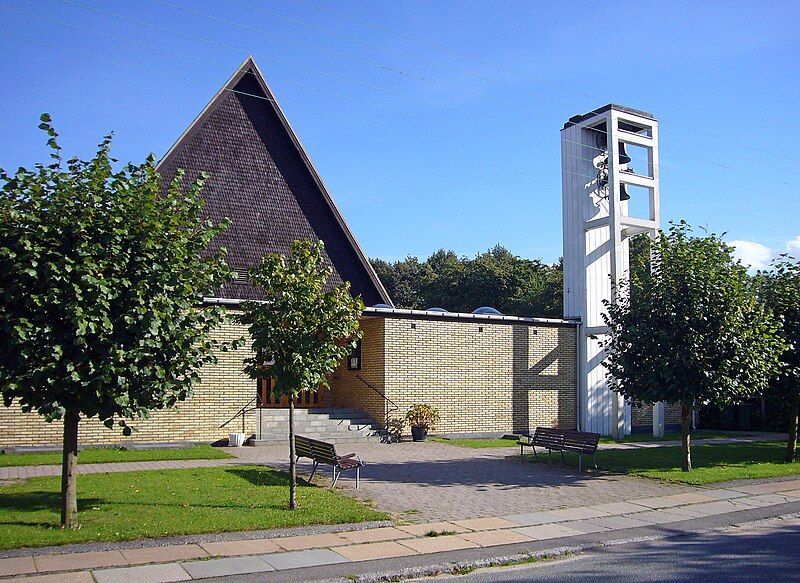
(306, 399)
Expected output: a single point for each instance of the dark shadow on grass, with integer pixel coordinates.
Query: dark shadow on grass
(265, 477)
(40, 500)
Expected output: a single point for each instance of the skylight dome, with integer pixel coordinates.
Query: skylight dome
(487, 310)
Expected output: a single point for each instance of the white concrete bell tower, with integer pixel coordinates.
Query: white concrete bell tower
(610, 190)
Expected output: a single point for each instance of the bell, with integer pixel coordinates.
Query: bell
(623, 193)
(623, 154)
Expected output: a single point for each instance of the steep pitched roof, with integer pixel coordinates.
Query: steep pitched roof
(264, 182)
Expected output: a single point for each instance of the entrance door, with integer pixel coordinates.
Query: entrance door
(305, 399)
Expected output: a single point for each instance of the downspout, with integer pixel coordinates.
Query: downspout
(579, 376)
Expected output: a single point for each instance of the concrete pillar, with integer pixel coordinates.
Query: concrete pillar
(658, 420)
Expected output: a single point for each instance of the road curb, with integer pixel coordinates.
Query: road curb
(465, 566)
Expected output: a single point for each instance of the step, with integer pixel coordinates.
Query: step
(346, 440)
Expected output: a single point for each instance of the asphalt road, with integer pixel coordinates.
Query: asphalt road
(768, 552)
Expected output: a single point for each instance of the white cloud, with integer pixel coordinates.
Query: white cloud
(793, 247)
(754, 255)
(757, 256)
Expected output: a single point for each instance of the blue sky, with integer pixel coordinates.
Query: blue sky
(436, 124)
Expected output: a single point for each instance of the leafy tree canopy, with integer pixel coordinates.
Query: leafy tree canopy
(102, 274)
(495, 278)
(303, 326)
(692, 328)
(780, 291)
(102, 277)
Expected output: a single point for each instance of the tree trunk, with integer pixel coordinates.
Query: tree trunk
(794, 413)
(292, 458)
(69, 468)
(686, 437)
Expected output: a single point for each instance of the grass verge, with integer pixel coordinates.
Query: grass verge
(103, 455)
(131, 505)
(711, 463)
(476, 443)
(674, 436)
(634, 438)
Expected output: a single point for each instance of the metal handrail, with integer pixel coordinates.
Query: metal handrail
(395, 406)
(241, 412)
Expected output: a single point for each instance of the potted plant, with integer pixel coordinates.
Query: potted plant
(237, 439)
(422, 418)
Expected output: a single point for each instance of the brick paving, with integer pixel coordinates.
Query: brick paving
(418, 482)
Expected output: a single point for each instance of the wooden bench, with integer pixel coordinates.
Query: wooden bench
(561, 440)
(321, 452)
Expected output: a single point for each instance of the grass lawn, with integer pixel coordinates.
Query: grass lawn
(710, 463)
(476, 443)
(674, 436)
(131, 505)
(101, 455)
(480, 443)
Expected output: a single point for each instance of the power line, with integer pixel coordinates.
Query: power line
(592, 177)
(384, 67)
(516, 72)
(345, 56)
(326, 113)
(373, 123)
(271, 78)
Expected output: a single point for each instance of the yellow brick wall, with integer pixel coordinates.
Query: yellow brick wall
(483, 377)
(642, 417)
(348, 391)
(223, 391)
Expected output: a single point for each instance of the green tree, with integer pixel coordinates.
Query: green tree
(495, 278)
(300, 331)
(102, 275)
(780, 290)
(404, 280)
(690, 330)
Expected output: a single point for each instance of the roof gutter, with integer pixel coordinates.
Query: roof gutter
(431, 315)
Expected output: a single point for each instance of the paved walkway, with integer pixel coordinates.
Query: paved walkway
(217, 559)
(421, 481)
(23, 472)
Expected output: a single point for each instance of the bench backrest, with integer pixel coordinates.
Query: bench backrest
(568, 439)
(314, 449)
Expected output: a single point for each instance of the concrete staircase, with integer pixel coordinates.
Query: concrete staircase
(331, 425)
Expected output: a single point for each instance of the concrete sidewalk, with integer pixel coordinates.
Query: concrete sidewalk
(423, 543)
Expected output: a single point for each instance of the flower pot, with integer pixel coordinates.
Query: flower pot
(236, 439)
(419, 432)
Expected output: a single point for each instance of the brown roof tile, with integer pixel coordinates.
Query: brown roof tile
(263, 181)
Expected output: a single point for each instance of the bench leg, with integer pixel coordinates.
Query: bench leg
(313, 470)
(521, 447)
(563, 459)
(335, 477)
(594, 461)
(549, 451)
(358, 476)
(535, 455)
(580, 462)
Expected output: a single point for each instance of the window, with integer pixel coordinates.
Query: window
(354, 360)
